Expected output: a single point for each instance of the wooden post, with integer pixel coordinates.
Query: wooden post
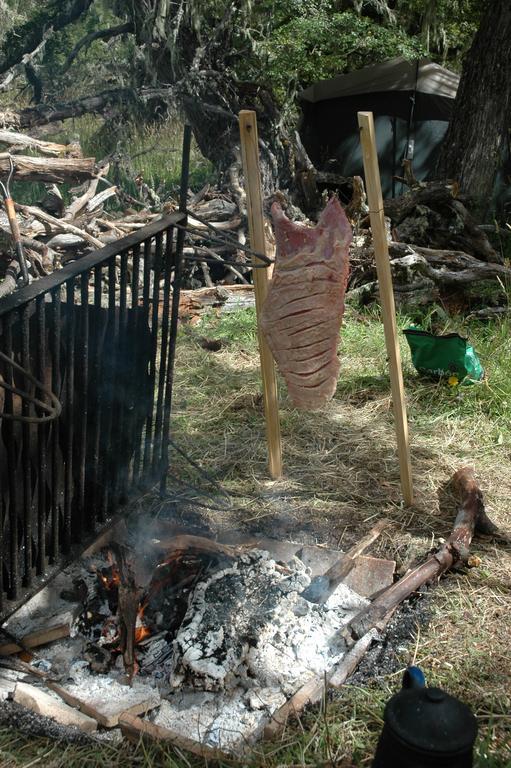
(381, 252)
(250, 158)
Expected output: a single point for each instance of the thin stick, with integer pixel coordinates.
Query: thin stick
(250, 156)
(381, 252)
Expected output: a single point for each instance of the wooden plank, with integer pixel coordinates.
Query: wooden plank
(35, 639)
(38, 701)
(250, 158)
(381, 251)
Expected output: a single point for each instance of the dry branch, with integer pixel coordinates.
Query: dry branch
(99, 34)
(471, 517)
(15, 140)
(30, 210)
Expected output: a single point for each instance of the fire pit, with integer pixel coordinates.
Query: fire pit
(184, 636)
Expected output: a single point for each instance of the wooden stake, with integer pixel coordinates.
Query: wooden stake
(381, 252)
(250, 158)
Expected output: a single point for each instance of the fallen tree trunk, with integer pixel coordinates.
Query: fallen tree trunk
(48, 169)
(424, 275)
(433, 217)
(43, 114)
(471, 517)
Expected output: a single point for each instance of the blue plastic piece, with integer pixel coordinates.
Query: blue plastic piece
(414, 678)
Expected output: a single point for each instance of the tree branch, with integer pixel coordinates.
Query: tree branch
(25, 39)
(43, 114)
(100, 34)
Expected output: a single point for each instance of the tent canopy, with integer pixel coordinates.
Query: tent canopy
(424, 76)
(411, 101)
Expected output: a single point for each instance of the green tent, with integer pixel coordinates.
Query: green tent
(412, 104)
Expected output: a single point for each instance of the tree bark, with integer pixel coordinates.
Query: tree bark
(197, 58)
(472, 149)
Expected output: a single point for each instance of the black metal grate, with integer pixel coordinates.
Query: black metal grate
(100, 334)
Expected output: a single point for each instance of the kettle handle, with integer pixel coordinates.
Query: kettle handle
(413, 677)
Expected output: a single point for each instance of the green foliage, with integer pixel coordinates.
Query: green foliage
(323, 44)
(445, 27)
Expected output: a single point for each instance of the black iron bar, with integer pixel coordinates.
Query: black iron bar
(55, 429)
(42, 429)
(26, 457)
(135, 330)
(223, 236)
(195, 232)
(176, 291)
(12, 473)
(142, 395)
(210, 260)
(95, 403)
(155, 302)
(166, 269)
(170, 259)
(82, 411)
(69, 413)
(108, 492)
(118, 476)
(3, 515)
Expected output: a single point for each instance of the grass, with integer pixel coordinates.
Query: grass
(341, 475)
(152, 150)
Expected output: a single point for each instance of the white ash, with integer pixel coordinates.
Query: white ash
(302, 641)
(249, 623)
(225, 617)
(228, 722)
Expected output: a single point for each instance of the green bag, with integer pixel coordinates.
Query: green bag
(448, 355)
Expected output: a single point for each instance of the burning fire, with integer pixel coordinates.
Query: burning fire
(112, 582)
(141, 630)
(141, 633)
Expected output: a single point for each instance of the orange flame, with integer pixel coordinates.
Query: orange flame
(141, 633)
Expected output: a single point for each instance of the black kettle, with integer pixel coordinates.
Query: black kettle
(425, 728)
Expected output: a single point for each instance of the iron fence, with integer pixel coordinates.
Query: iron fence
(86, 359)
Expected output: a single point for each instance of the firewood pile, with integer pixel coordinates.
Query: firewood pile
(64, 225)
(437, 250)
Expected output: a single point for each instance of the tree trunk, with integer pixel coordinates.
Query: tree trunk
(472, 149)
(197, 58)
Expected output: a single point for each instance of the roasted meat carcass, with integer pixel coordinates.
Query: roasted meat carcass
(303, 310)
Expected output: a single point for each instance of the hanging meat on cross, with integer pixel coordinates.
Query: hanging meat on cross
(302, 313)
